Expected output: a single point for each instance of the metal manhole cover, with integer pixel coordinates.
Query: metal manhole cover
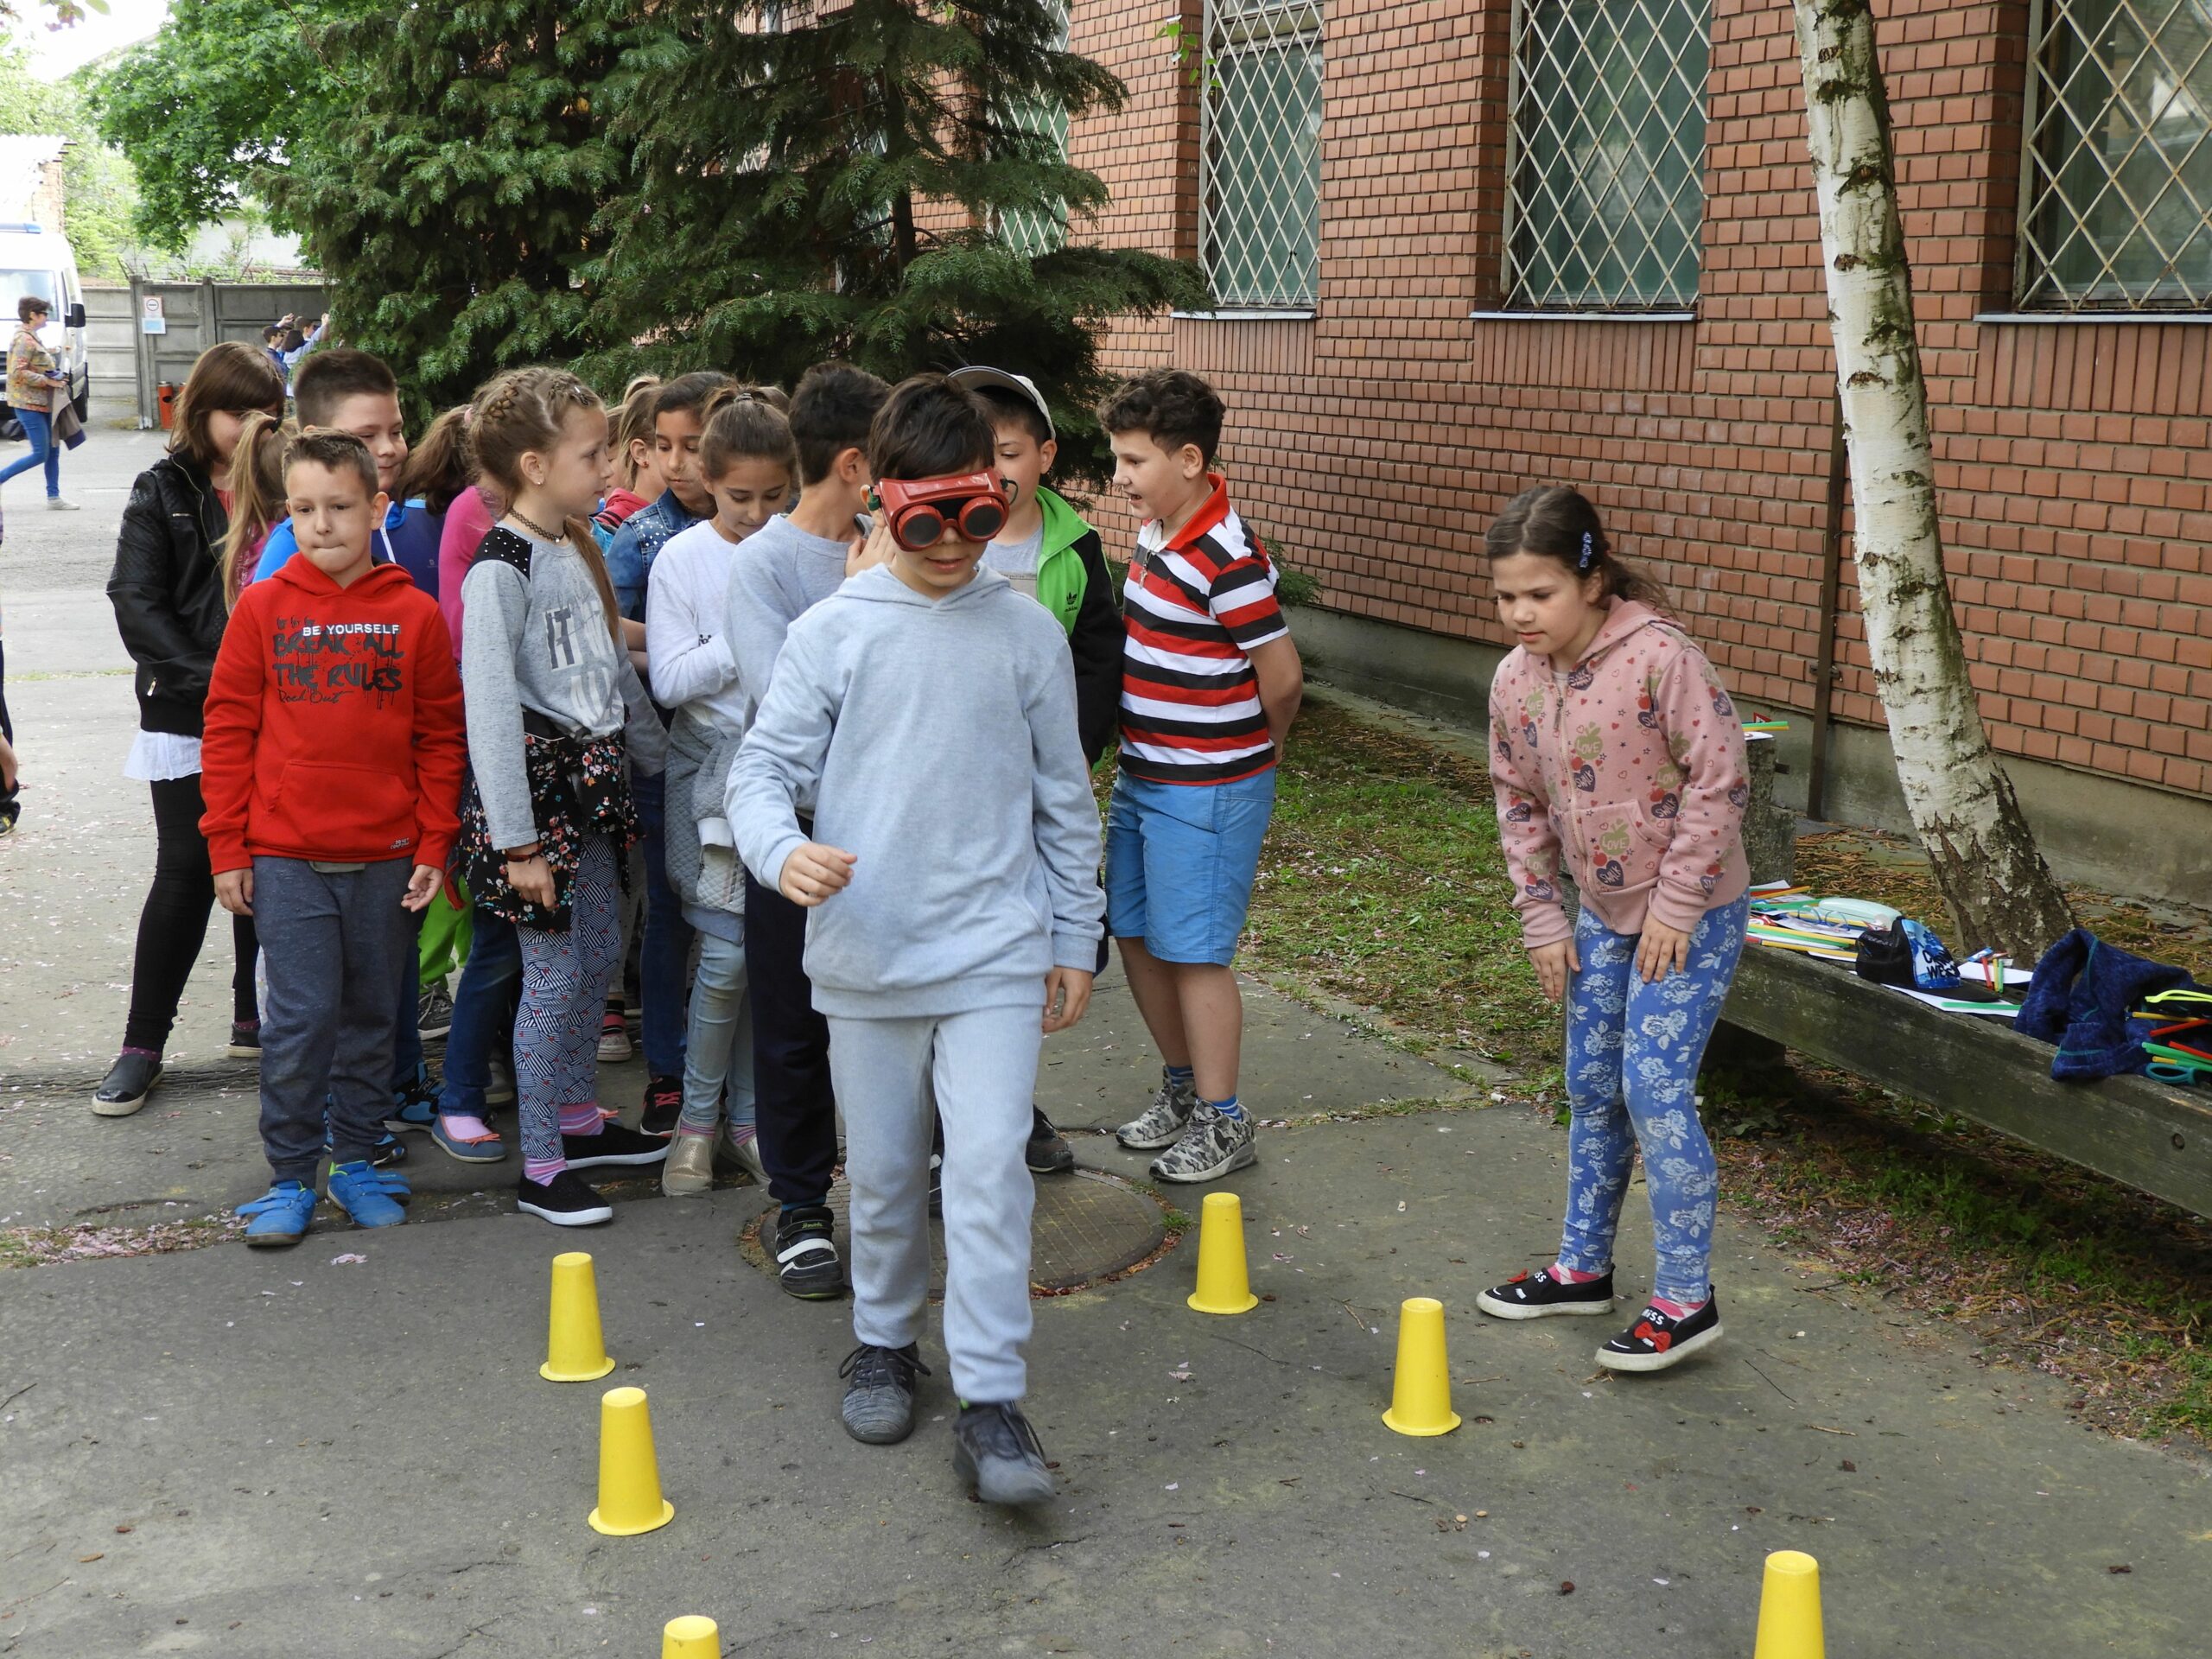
(1085, 1226)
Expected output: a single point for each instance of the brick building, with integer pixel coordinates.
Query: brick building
(1460, 246)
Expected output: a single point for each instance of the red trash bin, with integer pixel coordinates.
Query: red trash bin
(166, 393)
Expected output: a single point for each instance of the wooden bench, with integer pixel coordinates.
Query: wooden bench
(2154, 1137)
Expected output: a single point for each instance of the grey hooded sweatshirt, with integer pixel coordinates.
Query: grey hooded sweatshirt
(541, 646)
(935, 740)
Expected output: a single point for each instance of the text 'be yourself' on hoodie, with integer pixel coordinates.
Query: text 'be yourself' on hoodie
(935, 740)
(333, 724)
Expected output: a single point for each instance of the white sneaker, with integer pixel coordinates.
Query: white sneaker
(55, 504)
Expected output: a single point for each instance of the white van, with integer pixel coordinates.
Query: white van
(34, 260)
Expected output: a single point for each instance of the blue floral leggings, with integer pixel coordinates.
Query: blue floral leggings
(1632, 1055)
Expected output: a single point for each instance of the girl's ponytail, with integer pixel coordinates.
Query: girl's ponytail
(1556, 521)
(256, 482)
(747, 424)
(439, 468)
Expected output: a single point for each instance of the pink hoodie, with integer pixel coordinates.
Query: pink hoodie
(1630, 768)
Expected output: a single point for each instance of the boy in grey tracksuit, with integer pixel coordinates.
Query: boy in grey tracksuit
(926, 714)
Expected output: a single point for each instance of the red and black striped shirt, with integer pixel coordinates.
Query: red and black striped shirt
(1196, 604)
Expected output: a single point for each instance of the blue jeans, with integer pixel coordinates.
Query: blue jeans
(483, 1012)
(718, 1055)
(1632, 1055)
(664, 959)
(38, 427)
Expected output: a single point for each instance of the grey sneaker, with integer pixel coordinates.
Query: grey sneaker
(1163, 1121)
(1211, 1148)
(743, 1154)
(879, 1406)
(994, 1446)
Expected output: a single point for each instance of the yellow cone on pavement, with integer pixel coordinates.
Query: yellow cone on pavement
(1789, 1609)
(1420, 1398)
(691, 1637)
(1224, 1284)
(629, 1475)
(575, 1352)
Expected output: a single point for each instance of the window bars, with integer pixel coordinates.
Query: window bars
(1259, 184)
(1033, 230)
(1605, 153)
(2116, 176)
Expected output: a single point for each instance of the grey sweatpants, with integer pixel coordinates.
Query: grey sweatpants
(337, 946)
(984, 1064)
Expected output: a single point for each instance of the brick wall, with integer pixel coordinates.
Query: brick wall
(1373, 441)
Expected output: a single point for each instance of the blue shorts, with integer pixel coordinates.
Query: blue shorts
(1180, 863)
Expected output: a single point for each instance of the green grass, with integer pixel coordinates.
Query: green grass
(1382, 885)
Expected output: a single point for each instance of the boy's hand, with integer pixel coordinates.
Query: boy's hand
(1661, 950)
(234, 891)
(878, 548)
(532, 878)
(8, 772)
(1068, 990)
(422, 887)
(813, 871)
(1552, 963)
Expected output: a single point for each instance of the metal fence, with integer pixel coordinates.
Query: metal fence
(194, 315)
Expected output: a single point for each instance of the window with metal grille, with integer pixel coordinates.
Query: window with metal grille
(1606, 153)
(1033, 230)
(1259, 191)
(2118, 177)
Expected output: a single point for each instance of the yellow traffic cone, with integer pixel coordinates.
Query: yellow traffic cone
(1789, 1609)
(629, 1475)
(1224, 1286)
(691, 1637)
(1420, 1398)
(575, 1352)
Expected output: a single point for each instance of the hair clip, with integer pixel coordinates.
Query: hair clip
(1589, 551)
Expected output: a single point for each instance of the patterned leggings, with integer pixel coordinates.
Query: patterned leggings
(1632, 1055)
(564, 979)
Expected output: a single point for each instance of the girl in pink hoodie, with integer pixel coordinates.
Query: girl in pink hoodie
(1618, 761)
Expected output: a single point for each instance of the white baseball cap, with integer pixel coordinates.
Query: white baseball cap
(1020, 385)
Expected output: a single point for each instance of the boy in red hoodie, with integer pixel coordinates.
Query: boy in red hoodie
(332, 771)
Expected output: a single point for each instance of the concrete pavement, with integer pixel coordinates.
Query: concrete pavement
(237, 1454)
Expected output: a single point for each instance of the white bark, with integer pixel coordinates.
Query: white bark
(1962, 802)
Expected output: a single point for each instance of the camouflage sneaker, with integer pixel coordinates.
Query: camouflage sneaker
(1163, 1121)
(1214, 1145)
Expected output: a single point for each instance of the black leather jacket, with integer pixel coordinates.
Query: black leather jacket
(167, 588)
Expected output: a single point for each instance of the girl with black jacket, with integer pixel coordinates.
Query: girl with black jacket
(170, 605)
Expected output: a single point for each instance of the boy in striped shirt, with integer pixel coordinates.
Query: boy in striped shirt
(1210, 684)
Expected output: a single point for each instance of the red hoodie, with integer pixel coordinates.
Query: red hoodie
(333, 724)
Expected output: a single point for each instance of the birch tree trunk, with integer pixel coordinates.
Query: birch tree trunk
(1999, 890)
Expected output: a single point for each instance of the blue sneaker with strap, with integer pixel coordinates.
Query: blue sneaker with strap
(365, 1194)
(280, 1217)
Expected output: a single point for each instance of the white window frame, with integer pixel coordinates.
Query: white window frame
(1520, 298)
(1262, 25)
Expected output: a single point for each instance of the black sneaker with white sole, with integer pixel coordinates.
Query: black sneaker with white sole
(566, 1201)
(615, 1144)
(1655, 1341)
(995, 1448)
(806, 1255)
(879, 1406)
(1047, 1152)
(1538, 1295)
(129, 1081)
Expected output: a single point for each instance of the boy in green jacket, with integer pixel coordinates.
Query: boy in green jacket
(1049, 552)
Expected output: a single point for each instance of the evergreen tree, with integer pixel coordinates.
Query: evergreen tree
(450, 200)
(839, 184)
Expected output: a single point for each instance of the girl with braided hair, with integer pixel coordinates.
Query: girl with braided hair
(557, 723)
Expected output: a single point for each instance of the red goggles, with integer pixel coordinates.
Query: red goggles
(920, 512)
